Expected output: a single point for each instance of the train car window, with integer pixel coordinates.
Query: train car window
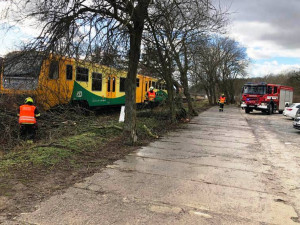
(153, 84)
(108, 84)
(137, 82)
(82, 74)
(150, 83)
(96, 82)
(146, 86)
(69, 72)
(275, 90)
(53, 70)
(122, 84)
(114, 85)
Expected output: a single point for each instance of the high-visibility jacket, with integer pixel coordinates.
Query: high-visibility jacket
(27, 114)
(151, 95)
(222, 100)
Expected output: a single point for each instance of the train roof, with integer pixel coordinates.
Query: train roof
(19, 56)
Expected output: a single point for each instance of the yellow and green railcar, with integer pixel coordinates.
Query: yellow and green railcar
(60, 80)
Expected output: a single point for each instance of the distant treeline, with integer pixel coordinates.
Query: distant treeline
(289, 79)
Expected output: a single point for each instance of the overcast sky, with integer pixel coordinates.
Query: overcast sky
(269, 29)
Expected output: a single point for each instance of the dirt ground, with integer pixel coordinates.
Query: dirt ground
(25, 187)
(23, 191)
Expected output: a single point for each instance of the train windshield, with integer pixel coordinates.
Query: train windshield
(255, 89)
(21, 71)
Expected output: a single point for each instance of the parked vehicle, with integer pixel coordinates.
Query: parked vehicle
(264, 97)
(296, 123)
(292, 110)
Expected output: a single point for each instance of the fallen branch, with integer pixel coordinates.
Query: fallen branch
(149, 132)
(52, 144)
(110, 126)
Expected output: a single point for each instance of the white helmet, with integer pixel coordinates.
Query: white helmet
(151, 88)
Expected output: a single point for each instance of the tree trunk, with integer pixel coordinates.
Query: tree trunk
(139, 15)
(231, 91)
(214, 95)
(185, 85)
(208, 95)
(130, 88)
(171, 102)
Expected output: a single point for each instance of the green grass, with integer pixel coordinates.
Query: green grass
(47, 155)
(79, 143)
(34, 157)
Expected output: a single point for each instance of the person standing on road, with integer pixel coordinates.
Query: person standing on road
(27, 119)
(151, 97)
(222, 101)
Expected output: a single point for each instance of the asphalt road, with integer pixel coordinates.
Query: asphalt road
(222, 168)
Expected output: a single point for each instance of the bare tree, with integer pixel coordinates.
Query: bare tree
(178, 25)
(109, 56)
(158, 59)
(233, 65)
(217, 62)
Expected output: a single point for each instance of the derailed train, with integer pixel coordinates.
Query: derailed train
(60, 80)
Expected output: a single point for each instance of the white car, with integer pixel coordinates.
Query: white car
(291, 110)
(296, 123)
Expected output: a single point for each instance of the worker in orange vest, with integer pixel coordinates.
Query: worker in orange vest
(222, 101)
(151, 97)
(27, 119)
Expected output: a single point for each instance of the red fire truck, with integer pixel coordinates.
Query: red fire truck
(266, 97)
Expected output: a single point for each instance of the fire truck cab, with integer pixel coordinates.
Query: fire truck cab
(264, 97)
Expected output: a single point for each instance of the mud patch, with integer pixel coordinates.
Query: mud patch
(295, 219)
(279, 200)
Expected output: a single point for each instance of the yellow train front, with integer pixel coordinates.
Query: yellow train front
(59, 80)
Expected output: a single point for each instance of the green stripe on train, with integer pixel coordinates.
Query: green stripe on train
(81, 94)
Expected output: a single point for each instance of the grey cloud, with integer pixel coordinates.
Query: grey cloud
(282, 15)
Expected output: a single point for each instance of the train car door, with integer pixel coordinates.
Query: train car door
(147, 85)
(139, 88)
(111, 87)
